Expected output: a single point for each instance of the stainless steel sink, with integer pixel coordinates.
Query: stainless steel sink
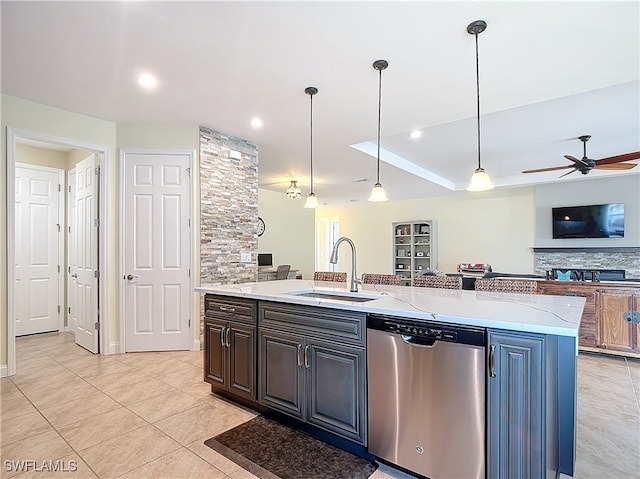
(339, 296)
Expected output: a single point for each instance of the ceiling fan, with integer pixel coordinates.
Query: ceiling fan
(586, 164)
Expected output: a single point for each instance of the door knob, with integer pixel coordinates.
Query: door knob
(74, 275)
(130, 277)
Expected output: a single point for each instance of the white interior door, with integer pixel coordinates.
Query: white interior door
(87, 270)
(72, 253)
(37, 249)
(156, 251)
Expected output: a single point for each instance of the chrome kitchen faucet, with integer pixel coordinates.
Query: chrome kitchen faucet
(334, 260)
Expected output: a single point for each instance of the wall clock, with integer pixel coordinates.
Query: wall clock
(261, 226)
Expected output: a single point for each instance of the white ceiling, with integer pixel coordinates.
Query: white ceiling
(549, 72)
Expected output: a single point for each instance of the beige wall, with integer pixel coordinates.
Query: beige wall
(495, 227)
(289, 233)
(32, 155)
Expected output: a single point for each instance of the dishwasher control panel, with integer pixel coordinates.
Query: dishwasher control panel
(427, 329)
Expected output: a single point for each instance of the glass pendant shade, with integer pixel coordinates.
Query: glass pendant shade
(378, 194)
(480, 181)
(312, 201)
(293, 192)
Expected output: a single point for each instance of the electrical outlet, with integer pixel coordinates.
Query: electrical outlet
(245, 256)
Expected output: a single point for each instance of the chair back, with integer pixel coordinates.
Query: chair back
(334, 276)
(437, 281)
(507, 285)
(374, 278)
(283, 271)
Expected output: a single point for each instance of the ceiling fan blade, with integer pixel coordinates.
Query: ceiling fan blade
(568, 173)
(553, 168)
(574, 159)
(616, 166)
(617, 159)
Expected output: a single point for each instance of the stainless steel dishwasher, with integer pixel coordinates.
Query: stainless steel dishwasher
(426, 393)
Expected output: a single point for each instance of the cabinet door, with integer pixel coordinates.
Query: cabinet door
(335, 385)
(612, 330)
(515, 422)
(242, 360)
(215, 358)
(281, 383)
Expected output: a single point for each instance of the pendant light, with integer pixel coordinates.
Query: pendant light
(312, 199)
(294, 192)
(480, 180)
(377, 193)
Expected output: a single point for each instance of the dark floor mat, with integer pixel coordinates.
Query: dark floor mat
(271, 450)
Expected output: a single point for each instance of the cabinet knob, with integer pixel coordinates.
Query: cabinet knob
(632, 317)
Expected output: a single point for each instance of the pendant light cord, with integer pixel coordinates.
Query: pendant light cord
(478, 96)
(311, 142)
(379, 117)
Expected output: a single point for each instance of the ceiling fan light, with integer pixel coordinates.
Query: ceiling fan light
(312, 201)
(480, 181)
(293, 192)
(378, 194)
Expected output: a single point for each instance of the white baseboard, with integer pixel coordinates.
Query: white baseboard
(196, 345)
(114, 347)
(3, 371)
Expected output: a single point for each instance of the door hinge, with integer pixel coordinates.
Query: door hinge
(189, 324)
(189, 272)
(96, 274)
(96, 222)
(96, 325)
(58, 268)
(69, 310)
(69, 229)
(189, 221)
(97, 170)
(59, 187)
(58, 309)
(69, 269)
(58, 225)
(69, 188)
(189, 171)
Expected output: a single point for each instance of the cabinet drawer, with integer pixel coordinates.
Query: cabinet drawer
(234, 309)
(327, 323)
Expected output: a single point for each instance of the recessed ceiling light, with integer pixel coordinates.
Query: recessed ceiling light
(415, 134)
(256, 123)
(146, 80)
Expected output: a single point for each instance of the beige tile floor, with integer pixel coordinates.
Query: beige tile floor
(146, 415)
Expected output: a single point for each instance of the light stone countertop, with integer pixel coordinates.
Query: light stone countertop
(536, 313)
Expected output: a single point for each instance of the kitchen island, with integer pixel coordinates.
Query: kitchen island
(285, 344)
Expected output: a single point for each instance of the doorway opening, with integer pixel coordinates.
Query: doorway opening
(17, 140)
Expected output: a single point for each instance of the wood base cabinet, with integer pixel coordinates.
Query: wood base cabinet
(230, 346)
(619, 313)
(313, 367)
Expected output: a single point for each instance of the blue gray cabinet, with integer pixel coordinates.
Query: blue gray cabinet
(230, 346)
(313, 366)
(516, 443)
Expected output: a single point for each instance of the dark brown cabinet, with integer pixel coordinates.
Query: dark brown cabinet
(230, 346)
(313, 366)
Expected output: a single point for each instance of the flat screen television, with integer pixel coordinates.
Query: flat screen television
(592, 221)
(265, 260)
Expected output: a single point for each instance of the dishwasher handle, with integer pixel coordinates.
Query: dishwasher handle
(417, 341)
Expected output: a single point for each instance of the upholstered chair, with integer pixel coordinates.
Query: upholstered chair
(433, 281)
(283, 271)
(507, 285)
(333, 276)
(373, 278)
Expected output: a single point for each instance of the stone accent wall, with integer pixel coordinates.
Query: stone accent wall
(229, 208)
(630, 262)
